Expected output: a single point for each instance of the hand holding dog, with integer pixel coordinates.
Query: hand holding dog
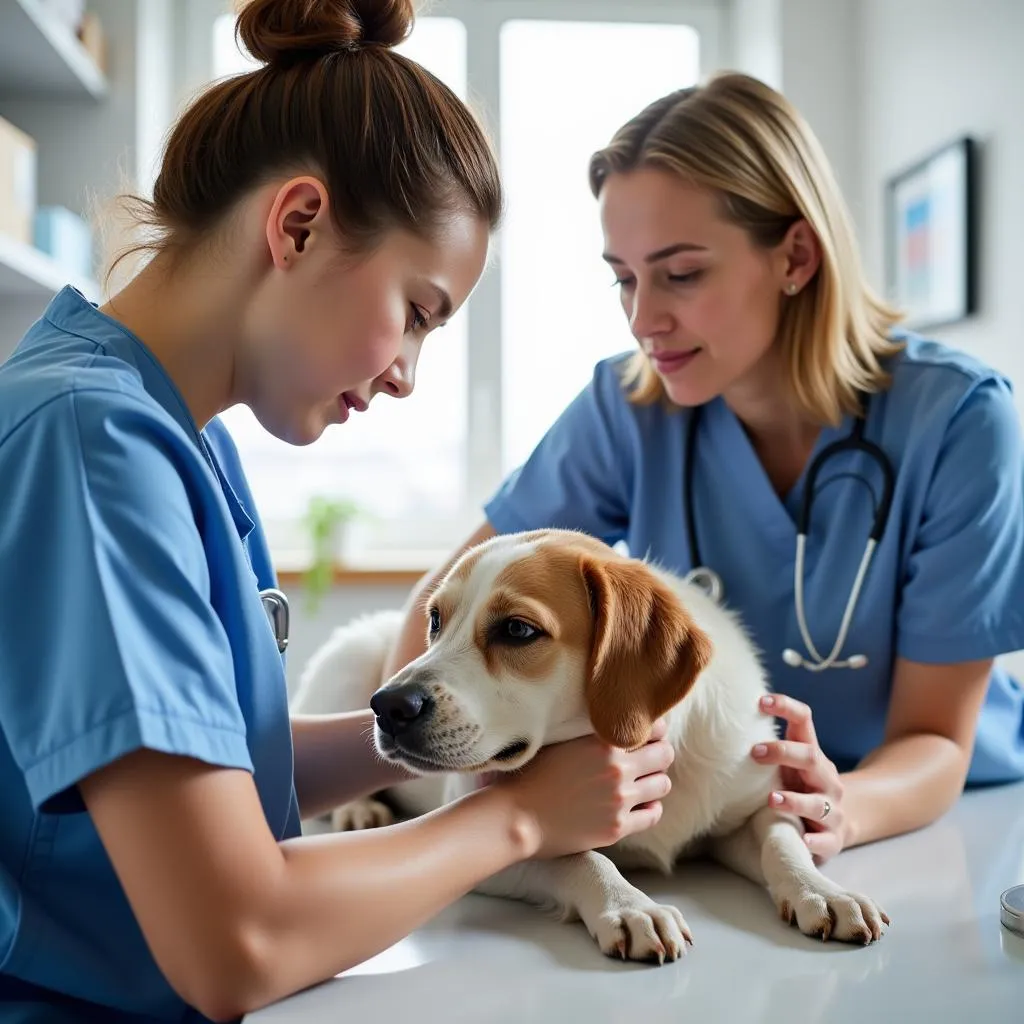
(811, 786)
(584, 794)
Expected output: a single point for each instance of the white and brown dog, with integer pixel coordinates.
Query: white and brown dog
(545, 636)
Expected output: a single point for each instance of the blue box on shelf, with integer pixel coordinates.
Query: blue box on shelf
(66, 238)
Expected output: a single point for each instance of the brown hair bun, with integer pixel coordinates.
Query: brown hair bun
(281, 31)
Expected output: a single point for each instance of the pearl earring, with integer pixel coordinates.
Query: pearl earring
(791, 288)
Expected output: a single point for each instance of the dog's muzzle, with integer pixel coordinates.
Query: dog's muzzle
(400, 709)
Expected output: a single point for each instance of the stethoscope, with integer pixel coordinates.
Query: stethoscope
(275, 604)
(711, 583)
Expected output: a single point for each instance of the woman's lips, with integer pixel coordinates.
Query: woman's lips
(667, 362)
(348, 401)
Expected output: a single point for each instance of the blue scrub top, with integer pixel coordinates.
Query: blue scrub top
(947, 580)
(133, 560)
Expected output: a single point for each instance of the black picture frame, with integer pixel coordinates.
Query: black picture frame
(931, 232)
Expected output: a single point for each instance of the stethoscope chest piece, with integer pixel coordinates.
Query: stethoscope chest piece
(707, 580)
(275, 604)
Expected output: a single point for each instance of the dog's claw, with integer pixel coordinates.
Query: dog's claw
(831, 914)
(643, 931)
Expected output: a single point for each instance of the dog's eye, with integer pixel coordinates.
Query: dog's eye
(517, 631)
(435, 622)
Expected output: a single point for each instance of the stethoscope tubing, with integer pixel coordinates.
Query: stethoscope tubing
(711, 583)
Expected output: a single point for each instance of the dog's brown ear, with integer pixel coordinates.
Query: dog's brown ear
(646, 651)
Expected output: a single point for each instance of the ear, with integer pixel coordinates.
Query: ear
(799, 255)
(646, 651)
(299, 212)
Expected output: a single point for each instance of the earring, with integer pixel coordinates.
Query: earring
(791, 288)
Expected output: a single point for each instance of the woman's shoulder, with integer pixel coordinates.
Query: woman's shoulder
(946, 406)
(925, 366)
(90, 401)
(934, 383)
(78, 375)
(63, 364)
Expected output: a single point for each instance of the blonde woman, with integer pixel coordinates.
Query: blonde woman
(761, 344)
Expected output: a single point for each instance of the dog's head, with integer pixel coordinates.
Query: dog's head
(533, 638)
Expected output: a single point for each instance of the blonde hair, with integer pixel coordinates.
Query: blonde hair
(745, 142)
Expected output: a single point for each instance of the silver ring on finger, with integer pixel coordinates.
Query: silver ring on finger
(825, 812)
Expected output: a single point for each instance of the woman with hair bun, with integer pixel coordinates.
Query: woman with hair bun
(314, 220)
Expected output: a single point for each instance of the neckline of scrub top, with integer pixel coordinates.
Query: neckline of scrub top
(69, 307)
(736, 457)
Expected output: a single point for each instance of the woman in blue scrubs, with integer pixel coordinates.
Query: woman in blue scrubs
(756, 330)
(151, 783)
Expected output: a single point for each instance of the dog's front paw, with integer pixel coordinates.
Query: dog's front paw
(832, 913)
(640, 929)
(360, 814)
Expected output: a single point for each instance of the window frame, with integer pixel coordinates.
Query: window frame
(483, 20)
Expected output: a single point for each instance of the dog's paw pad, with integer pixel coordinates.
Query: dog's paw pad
(840, 916)
(649, 932)
(361, 814)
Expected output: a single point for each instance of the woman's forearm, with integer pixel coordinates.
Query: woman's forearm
(335, 761)
(903, 785)
(342, 898)
(236, 919)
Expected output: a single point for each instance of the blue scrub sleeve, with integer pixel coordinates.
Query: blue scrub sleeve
(579, 475)
(112, 643)
(963, 593)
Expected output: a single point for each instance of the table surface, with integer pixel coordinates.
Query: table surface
(946, 957)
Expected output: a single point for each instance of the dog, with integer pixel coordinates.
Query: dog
(543, 636)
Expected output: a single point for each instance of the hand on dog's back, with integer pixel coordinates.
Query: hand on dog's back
(584, 794)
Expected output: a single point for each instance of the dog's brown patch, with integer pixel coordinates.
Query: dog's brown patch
(544, 589)
(647, 650)
(642, 649)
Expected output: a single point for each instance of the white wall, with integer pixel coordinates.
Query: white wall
(931, 70)
(809, 50)
(822, 75)
(754, 43)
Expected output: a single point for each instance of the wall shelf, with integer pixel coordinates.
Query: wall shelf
(41, 58)
(27, 273)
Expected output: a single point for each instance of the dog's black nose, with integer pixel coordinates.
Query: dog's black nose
(399, 707)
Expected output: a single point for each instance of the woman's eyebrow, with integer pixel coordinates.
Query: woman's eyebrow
(660, 254)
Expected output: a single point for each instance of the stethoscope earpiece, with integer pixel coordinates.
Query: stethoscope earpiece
(795, 660)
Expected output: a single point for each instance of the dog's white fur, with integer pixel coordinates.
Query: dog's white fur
(484, 699)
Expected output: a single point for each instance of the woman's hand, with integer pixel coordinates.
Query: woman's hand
(811, 787)
(584, 794)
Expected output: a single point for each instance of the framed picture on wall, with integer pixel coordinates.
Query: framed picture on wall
(931, 236)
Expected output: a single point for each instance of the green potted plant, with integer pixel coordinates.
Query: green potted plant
(326, 520)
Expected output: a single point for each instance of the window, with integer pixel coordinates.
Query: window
(495, 378)
(560, 314)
